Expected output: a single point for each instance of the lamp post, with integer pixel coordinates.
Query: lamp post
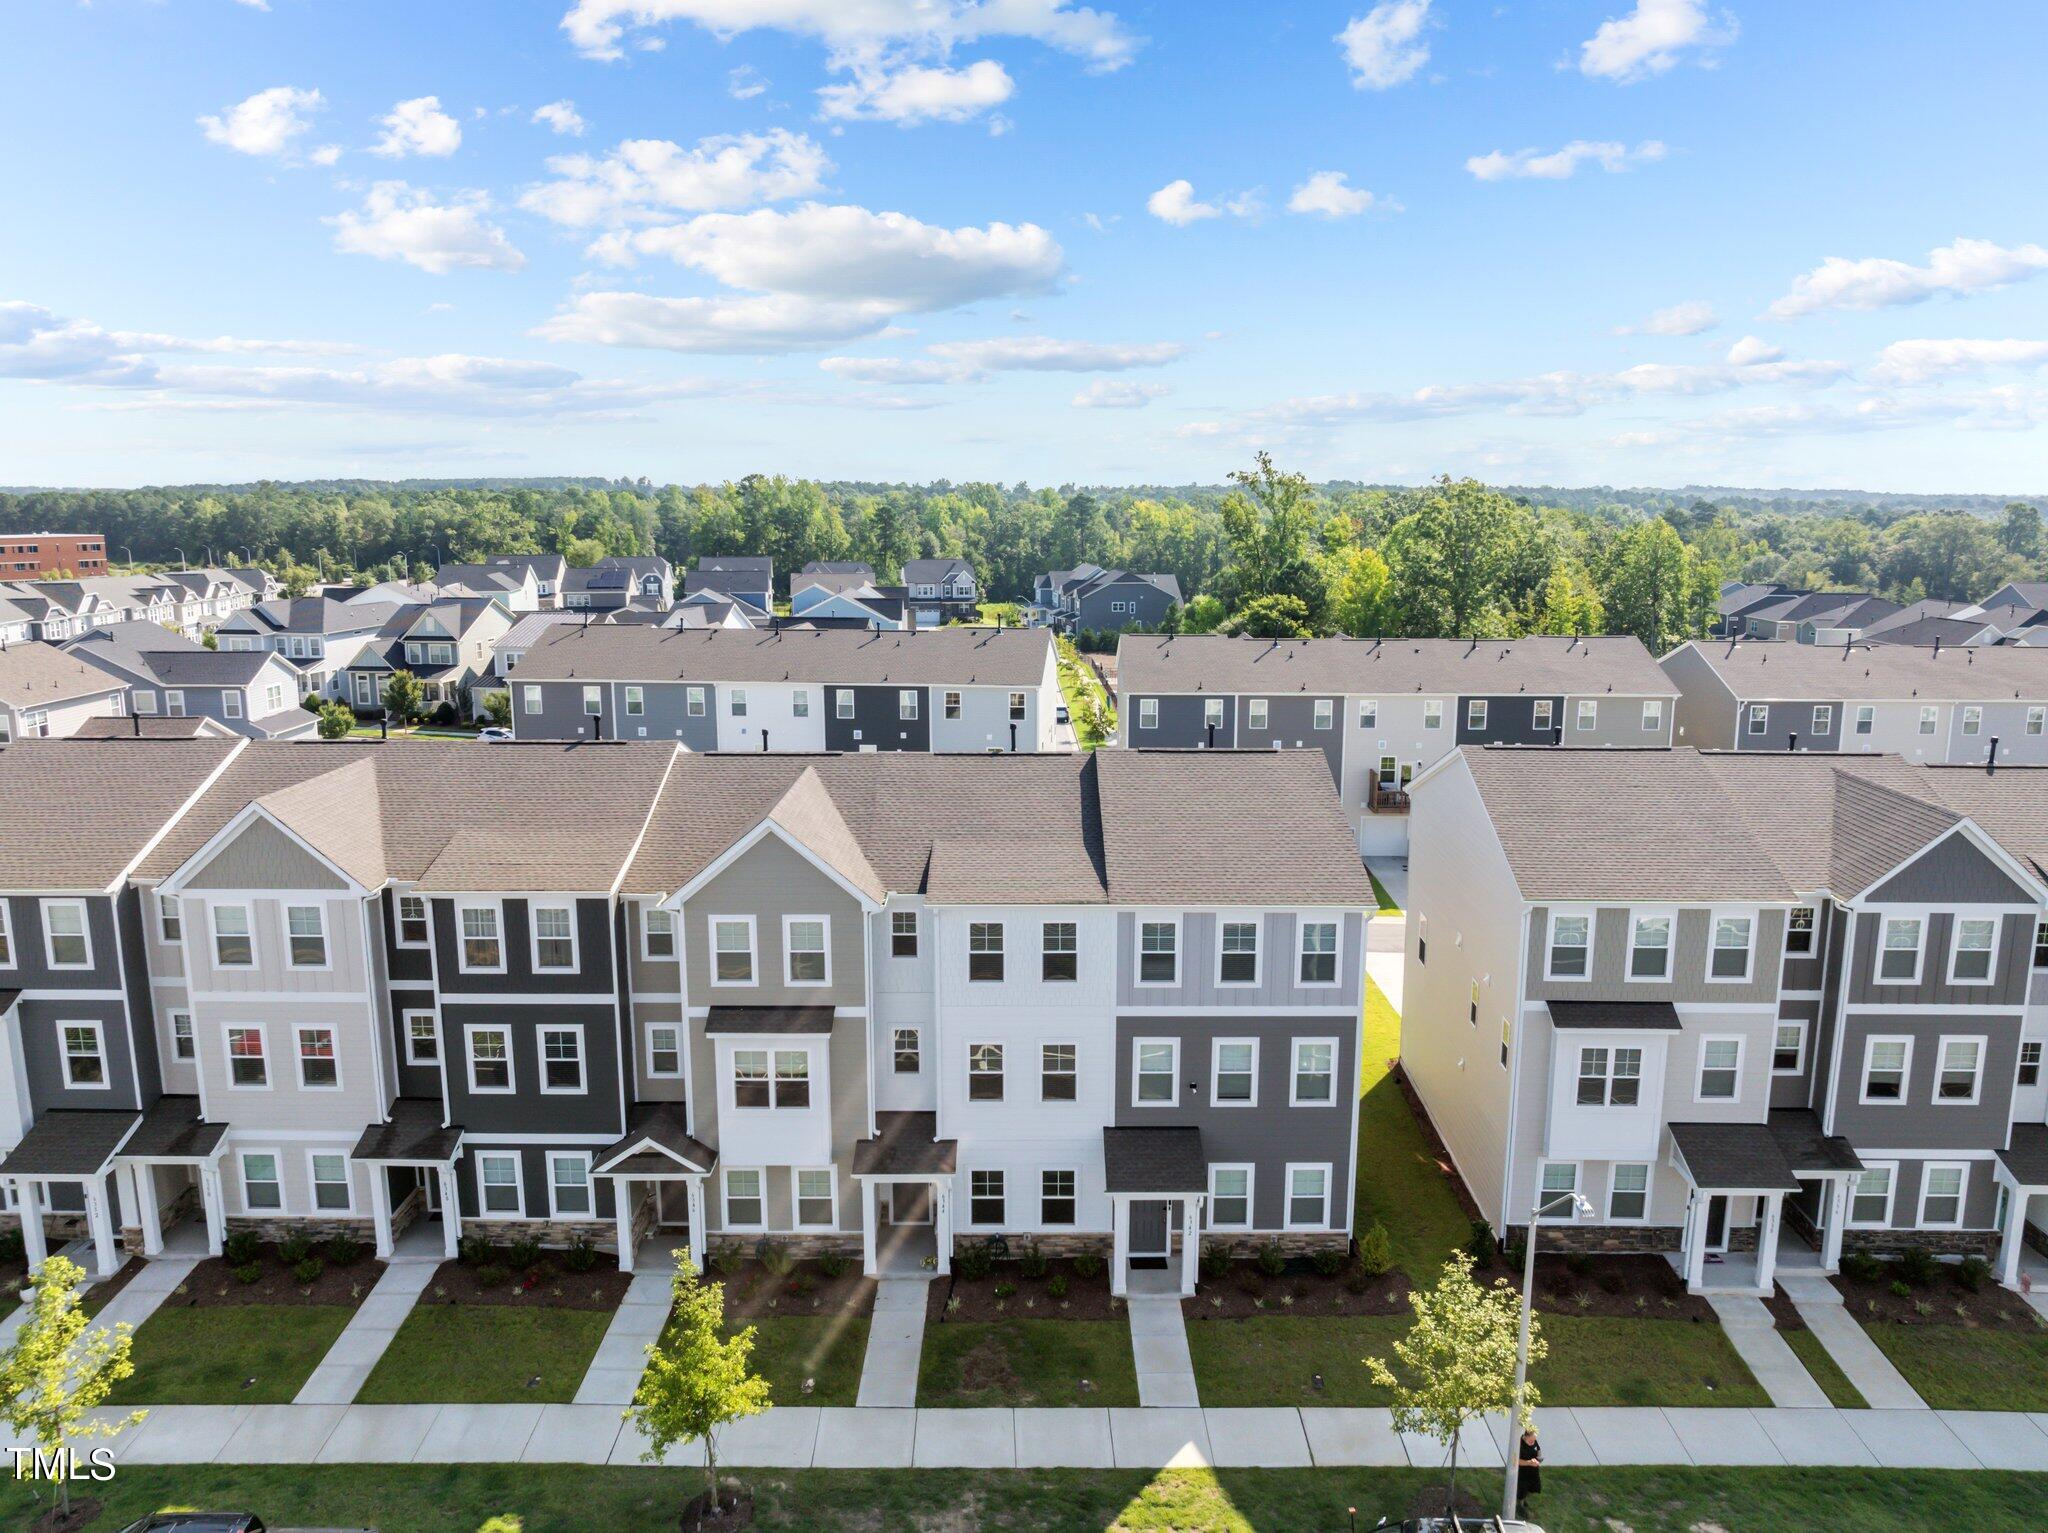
(1551, 1205)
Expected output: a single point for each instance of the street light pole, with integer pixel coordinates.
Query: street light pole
(1512, 1478)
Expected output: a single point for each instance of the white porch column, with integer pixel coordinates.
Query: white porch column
(451, 1211)
(1837, 1203)
(2012, 1238)
(693, 1193)
(380, 1209)
(29, 1195)
(622, 1215)
(124, 1199)
(1119, 1244)
(869, 1212)
(214, 1203)
(99, 1222)
(1767, 1242)
(1696, 1240)
(1190, 1242)
(942, 1222)
(147, 1209)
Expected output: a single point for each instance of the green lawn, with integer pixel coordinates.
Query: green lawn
(1957, 1368)
(1379, 892)
(471, 1354)
(1027, 1362)
(456, 1498)
(1273, 1360)
(1399, 1182)
(1827, 1373)
(1638, 1361)
(204, 1355)
(1007, 613)
(1087, 703)
(827, 1349)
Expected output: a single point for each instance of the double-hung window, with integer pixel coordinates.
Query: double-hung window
(817, 1198)
(2041, 944)
(483, 951)
(1542, 713)
(1960, 1080)
(842, 703)
(1759, 718)
(1973, 719)
(949, 705)
(529, 696)
(1788, 1048)
(1058, 1076)
(1930, 715)
(1475, 713)
(1433, 713)
(1059, 951)
(1308, 1197)
(800, 703)
(1898, 961)
(422, 1038)
(170, 923)
(1056, 1197)
(804, 953)
(233, 947)
(1729, 957)
(1315, 1073)
(732, 948)
(67, 942)
(1255, 713)
(1230, 1197)
(1720, 1069)
(906, 704)
(1571, 945)
(1326, 713)
(693, 702)
(1155, 1063)
(184, 1046)
(1649, 949)
(1234, 1073)
(331, 1191)
(985, 1197)
(1158, 952)
(1866, 718)
(1799, 931)
(7, 938)
(306, 934)
(85, 1056)
(593, 701)
(2037, 718)
(1588, 714)
(1628, 1194)
(1653, 715)
(490, 1059)
(262, 1186)
(665, 1050)
(1941, 1194)
(985, 951)
(657, 932)
(736, 701)
(1368, 713)
(1823, 718)
(1237, 961)
(792, 1078)
(902, 934)
(1610, 1077)
(745, 1208)
(561, 1059)
(1557, 1197)
(906, 1048)
(2030, 1064)
(1886, 1062)
(1016, 707)
(412, 920)
(569, 1184)
(1976, 946)
(1212, 713)
(1318, 953)
(636, 701)
(319, 1068)
(248, 1067)
(497, 1180)
(984, 1072)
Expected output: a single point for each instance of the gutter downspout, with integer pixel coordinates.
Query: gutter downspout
(1520, 1025)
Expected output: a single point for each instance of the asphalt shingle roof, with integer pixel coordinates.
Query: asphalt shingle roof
(987, 657)
(1876, 672)
(1154, 1160)
(42, 676)
(904, 1145)
(1628, 1016)
(68, 1143)
(1388, 667)
(49, 838)
(1736, 1157)
(414, 1133)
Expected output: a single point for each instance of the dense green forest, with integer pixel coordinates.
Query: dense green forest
(1269, 553)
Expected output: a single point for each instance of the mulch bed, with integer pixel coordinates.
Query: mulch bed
(213, 1284)
(1244, 1291)
(752, 1292)
(85, 1511)
(1785, 1314)
(1942, 1302)
(1628, 1287)
(734, 1509)
(1087, 1298)
(1434, 1141)
(546, 1284)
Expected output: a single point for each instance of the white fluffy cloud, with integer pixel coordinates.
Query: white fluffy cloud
(1692, 317)
(398, 222)
(562, 116)
(1751, 350)
(744, 83)
(973, 361)
(1326, 193)
(647, 178)
(1175, 203)
(418, 126)
(1964, 267)
(267, 123)
(1918, 361)
(1118, 394)
(598, 28)
(1651, 38)
(1384, 46)
(761, 325)
(42, 346)
(1562, 164)
(913, 93)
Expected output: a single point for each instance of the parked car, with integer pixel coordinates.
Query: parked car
(1059, 715)
(198, 1522)
(494, 732)
(1457, 1525)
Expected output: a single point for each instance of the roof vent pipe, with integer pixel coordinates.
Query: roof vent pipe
(764, 742)
(1991, 757)
(1792, 741)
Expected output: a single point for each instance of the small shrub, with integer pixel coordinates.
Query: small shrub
(1577, 1263)
(309, 1270)
(249, 1272)
(1058, 1286)
(492, 1275)
(473, 1251)
(293, 1249)
(1271, 1259)
(581, 1255)
(524, 1252)
(1862, 1266)
(1032, 1260)
(1516, 1253)
(1612, 1281)
(1088, 1264)
(1483, 1247)
(1215, 1262)
(1376, 1251)
(1918, 1266)
(974, 1262)
(803, 1282)
(1972, 1273)
(1328, 1263)
(835, 1264)
(1006, 1289)
(729, 1258)
(13, 1246)
(776, 1260)
(241, 1248)
(1901, 1289)
(344, 1250)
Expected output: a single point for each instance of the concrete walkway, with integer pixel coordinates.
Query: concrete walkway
(363, 1340)
(1392, 872)
(1754, 1335)
(621, 1358)
(145, 1293)
(1159, 1341)
(801, 1437)
(888, 1374)
(1882, 1386)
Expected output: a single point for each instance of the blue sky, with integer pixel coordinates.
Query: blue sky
(1569, 241)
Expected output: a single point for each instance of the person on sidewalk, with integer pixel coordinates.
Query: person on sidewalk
(1528, 1471)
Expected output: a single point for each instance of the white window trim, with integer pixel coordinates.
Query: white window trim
(1757, 720)
(84, 932)
(1649, 1191)
(1251, 1179)
(348, 1181)
(789, 978)
(299, 1031)
(1891, 1193)
(1542, 714)
(555, 1210)
(1002, 1174)
(1571, 1213)
(242, 1172)
(1927, 1168)
(1801, 1024)
(1586, 715)
(398, 921)
(1301, 925)
(262, 1032)
(1216, 1046)
(462, 963)
(693, 703)
(1699, 1073)
(636, 707)
(1550, 941)
(1294, 1048)
(248, 934)
(1432, 713)
(533, 910)
(1976, 1096)
(518, 1185)
(1955, 949)
(1368, 713)
(916, 935)
(191, 1036)
(1973, 720)
(682, 1044)
(99, 1034)
(1138, 980)
(1656, 913)
(1002, 1075)
(1863, 1096)
(540, 1037)
(916, 1031)
(1877, 975)
(1067, 1171)
(1812, 933)
(712, 923)
(284, 917)
(1173, 1077)
(1653, 722)
(1928, 721)
(1073, 1074)
(1475, 713)
(796, 1202)
(843, 708)
(469, 1032)
(406, 1019)
(1257, 715)
(647, 954)
(1714, 918)
(162, 921)
(1325, 713)
(9, 957)
(1865, 719)
(1258, 926)
(1287, 1218)
(1823, 718)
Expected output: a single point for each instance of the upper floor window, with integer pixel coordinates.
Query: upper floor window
(1759, 718)
(490, 1059)
(1058, 1072)
(906, 1048)
(2041, 944)
(482, 949)
(804, 955)
(732, 950)
(1155, 1064)
(1823, 718)
(561, 1059)
(1158, 952)
(1571, 946)
(554, 937)
(984, 1072)
(233, 948)
(800, 703)
(1588, 714)
(170, 923)
(306, 934)
(1720, 1069)
(949, 705)
(1610, 1077)
(658, 932)
(319, 1068)
(1962, 1070)
(1318, 953)
(1975, 952)
(1732, 945)
(1148, 713)
(1973, 719)
(1649, 951)
(1059, 951)
(902, 934)
(1788, 1048)
(1799, 931)
(1653, 715)
(1885, 1064)
(1255, 713)
(1212, 712)
(1314, 1074)
(636, 701)
(248, 1065)
(985, 950)
(422, 1038)
(1237, 961)
(184, 1046)
(1866, 718)
(1326, 713)
(1898, 961)
(736, 700)
(2030, 1064)
(593, 701)
(412, 920)
(1016, 707)
(1433, 713)
(1929, 716)
(2037, 717)
(771, 1078)
(1368, 713)
(1234, 1072)
(1475, 713)
(842, 703)
(6, 939)
(693, 702)
(67, 941)
(1541, 715)
(85, 1055)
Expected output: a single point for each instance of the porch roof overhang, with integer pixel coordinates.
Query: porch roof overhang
(906, 1144)
(1154, 1161)
(413, 1135)
(2024, 1162)
(656, 1144)
(70, 1145)
(1809, 1151)
(171, 1130)
(1615, 1016)
(1731, 1157)
(788, 1020)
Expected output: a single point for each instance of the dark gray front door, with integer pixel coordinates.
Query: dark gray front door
(1148, 1229)
(910, 1203)
(672, 1205)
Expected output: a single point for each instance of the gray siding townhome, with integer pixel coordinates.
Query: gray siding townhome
(1781, 1006)
(46, 694)
(1383, 710)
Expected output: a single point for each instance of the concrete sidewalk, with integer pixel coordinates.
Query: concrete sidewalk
(1820, 1305)
(1159, 1341)
(366, 1336)
(1754, 1335)
(621, 1358)
(801, 1437)
(888, 1374)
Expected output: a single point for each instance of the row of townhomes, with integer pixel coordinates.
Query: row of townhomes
(1745, 1009)
(1382, 710)
(1937, 703)
(191, 601)
(1091, 599)
(790, 689)
(2016, 613)
(866, 1003)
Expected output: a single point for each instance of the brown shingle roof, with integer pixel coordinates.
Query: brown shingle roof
(1539, 664)
(988, 657)
(75, 813)
(42, 675)
(1877, 672)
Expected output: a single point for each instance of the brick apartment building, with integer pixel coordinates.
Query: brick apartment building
(32, 555)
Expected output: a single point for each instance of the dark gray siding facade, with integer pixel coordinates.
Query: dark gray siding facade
(99, 998)
(1152, 606)
(1510, 720)
(1181, 724)
(1783, 720)
(1290, 722)
(665, 713)
(527, 1109)
(877, 723)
